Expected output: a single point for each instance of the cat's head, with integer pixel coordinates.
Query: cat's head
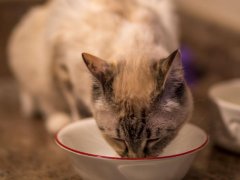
(139, 106)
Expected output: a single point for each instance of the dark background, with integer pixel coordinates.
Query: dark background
(10, 13)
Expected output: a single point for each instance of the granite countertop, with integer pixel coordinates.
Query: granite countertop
(27, 151)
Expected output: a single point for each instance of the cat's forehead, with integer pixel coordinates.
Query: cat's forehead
(134, 83)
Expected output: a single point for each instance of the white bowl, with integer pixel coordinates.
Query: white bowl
(227, 97)
(94, 159)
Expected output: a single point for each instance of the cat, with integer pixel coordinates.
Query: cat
(117, 60)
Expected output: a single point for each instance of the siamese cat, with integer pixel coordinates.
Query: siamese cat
(116, 60)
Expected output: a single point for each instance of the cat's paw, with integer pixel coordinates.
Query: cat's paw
(57, 121)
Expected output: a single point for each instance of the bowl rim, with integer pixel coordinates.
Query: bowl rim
(61, 145)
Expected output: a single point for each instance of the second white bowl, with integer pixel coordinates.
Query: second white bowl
(226, 95)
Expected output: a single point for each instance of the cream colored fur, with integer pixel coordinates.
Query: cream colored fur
(58, 32)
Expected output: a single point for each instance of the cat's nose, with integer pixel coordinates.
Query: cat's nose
(136, 148)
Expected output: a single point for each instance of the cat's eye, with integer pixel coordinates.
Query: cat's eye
(119, 142)
(152, 142)
(120, 146)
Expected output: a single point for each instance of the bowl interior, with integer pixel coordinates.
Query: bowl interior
(84, 137)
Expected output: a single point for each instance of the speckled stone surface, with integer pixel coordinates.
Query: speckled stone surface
(27, 151)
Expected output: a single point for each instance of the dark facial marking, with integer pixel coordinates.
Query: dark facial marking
(140, 132)
(125, 152)
(159, 75)
(163, 142)
(143, 124)
(153, 146)
(143, 116)
(179, 93)
(180, 90)
(157, 96)
(96, 91)
(158, 132)
(83, 109)
(132, 128)
(118, 132)
(103, 89)
(108, 89)
(149, 133)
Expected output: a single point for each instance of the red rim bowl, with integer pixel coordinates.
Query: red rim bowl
(60, 144)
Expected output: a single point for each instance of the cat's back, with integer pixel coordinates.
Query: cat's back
(86, 19)
(90, 23)
(26, 49)
(78, 26)
(94, 23)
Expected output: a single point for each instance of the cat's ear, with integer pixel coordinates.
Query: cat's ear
(98, 67)
(170, 68)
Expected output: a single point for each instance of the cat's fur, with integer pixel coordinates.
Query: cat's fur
(136, 89)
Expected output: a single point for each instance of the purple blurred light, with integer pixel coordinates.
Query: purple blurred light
(187, 60)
